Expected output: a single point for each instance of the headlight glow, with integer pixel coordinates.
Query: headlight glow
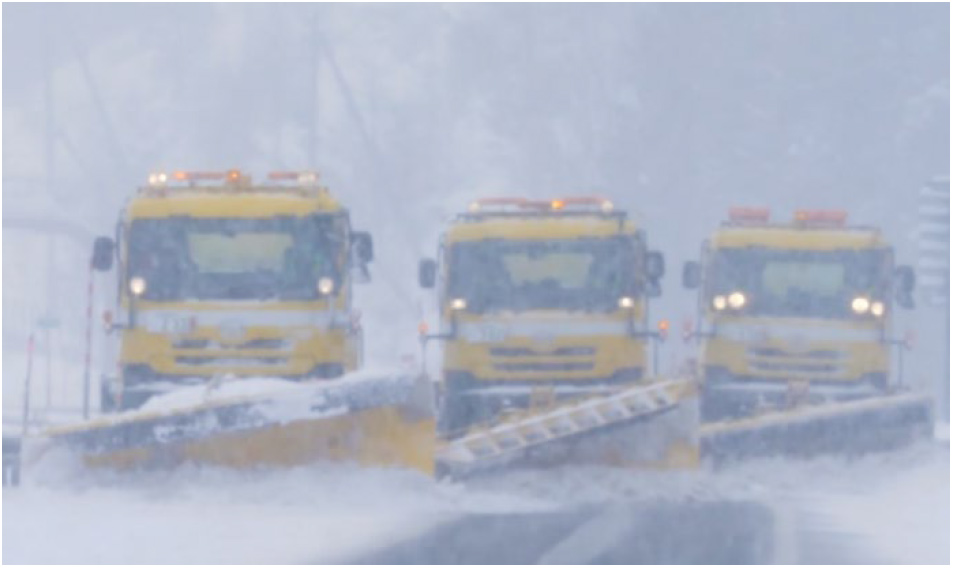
(737, 300)
(877, 308)
(719, 303)
(626, 302)
(325, 285)
(137, 285)
(458, 304)
(860, 305)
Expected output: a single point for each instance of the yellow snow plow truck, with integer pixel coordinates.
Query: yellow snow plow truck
(236, 340)
(544, 308)
(234, 278)
(796, 337)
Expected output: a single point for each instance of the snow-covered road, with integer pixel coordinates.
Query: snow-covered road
(891, 508)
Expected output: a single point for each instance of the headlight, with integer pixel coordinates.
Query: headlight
(458, 304)
(877, 308)
(737, 300)
(137, 285)
(719, 303)
(860, 305)
(626, 302)
(325, 286)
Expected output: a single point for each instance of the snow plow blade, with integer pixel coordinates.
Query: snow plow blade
(849, 428)
(652, 425)
(373, 420)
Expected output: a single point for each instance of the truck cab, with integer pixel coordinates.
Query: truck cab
(539, 300)
(218, 276)
(796, 310)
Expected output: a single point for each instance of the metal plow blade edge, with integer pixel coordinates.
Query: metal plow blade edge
(649, 425)
(847, 428)
(371, 420)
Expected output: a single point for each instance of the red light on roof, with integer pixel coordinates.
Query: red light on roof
(501, 201)
(203, 175)
(585, 200)
(821, 217)
(749, 214)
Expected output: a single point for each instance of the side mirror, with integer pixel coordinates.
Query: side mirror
(654, 265)
(905, 279)
(427, 273)
(103, 251)
(904, 283)
(363, 246)
(905, 300)
(691, 275)
(653, 289)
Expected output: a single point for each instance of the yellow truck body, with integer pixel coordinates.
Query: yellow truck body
(794, 309)
(539, 301)
(232, 278)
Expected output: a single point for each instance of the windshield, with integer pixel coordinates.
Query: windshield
(798, 282)
(581, 274)
(235, 258)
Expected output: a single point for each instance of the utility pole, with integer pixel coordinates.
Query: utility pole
(311, 160)
(49, 153)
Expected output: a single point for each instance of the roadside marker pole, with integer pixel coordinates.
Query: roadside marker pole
(26, 387)
(89, 342)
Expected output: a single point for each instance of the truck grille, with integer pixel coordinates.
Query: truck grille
(544, 366)
(819, 361)
(198, 343)
(530, 352)
(231, 361)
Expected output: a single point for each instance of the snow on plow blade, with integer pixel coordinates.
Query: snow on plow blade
(855, 427)
(376, 420)
(648, 425)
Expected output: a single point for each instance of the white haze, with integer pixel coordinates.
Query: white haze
(675, 111)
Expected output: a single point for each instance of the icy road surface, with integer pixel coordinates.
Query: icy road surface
(891, 508)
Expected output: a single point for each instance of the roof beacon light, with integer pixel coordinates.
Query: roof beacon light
(308, 178)
(558, 204)
(749, 214)
(821, 217)
(497, 205)
(305, 178)
(206, 176)
(589, 202)
(233, 176)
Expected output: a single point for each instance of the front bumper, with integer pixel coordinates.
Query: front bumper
(725, 395)
(467, 400)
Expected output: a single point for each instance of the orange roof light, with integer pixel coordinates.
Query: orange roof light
(593, 201)
(204, 175)
(234, 175)
(558, 204)
(497, 204)
(306, 178)
(821, 217)
(749, 214)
